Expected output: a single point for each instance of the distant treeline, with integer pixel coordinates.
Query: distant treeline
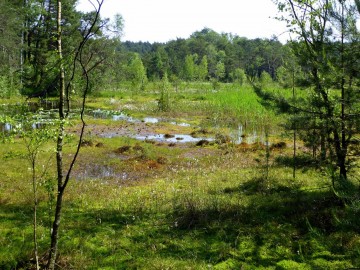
(207, 54)
(29, 65)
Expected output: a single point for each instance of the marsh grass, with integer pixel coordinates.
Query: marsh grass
(230, 105)
(183, 207)
(213, 211)
(235, 106)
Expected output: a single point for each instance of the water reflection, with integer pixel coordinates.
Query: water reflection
(43, 104)
(151, 120)
(239, 136)
(5, 127)
(181, 124)
(175, 138)
(45, 111)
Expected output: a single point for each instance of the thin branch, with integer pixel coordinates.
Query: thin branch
(85, 39)
(79, 58)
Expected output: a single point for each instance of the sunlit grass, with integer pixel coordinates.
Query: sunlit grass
(215, 210)
(183, 206)
(229, 106)
(240, 106)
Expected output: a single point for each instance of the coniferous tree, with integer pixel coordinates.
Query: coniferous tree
(325, 49)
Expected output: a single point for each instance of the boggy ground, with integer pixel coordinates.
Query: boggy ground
(145, 204)
(110, 152)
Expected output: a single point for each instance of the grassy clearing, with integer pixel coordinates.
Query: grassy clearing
(144, 205)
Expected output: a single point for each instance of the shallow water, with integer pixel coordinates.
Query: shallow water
(47, 110)
(5, 127)
(178, 138)
(151, 120)
(239, 136)
(181, 124)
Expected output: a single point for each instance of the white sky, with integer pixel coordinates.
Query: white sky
(164, 20)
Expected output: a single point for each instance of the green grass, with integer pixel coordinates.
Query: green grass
(229, 106)
(234, 106)
(182, 207)
(200, 213)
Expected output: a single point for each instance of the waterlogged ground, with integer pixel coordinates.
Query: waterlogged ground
(150, 142)
(169, 191)
(169, 135)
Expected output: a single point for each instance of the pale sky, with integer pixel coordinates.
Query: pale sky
(164, 20)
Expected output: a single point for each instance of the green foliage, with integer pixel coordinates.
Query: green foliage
(164, 99)
(209, 55)
(39, 72)
(118, 25)
(265, 80)
(7, 89)
(289, 265)
(203, 69)
(189, 68)
(236, 106)
(215, 84)
(325, 56)
(284, 77)
(228, 264)
(136, 73)
(238, 76)
(220, 70)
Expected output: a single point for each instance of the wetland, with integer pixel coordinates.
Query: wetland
(203, 185)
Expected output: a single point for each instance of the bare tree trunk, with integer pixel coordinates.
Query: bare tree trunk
(55, 232)
(63, 179)
(342, 161)
(34, 186)
(294, 138)
(59, 147)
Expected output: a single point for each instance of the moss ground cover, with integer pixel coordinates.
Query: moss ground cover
(149, 205)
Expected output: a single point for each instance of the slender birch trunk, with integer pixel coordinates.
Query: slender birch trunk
(59, 146)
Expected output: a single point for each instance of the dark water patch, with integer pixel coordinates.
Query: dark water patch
(43, 105)
(43, 112)
(109, 114)
(121, 116)
(26, 116)
(170, 139)
(46, 109)
(184, 138)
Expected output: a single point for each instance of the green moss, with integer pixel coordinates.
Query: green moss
(291, 265)
(228, 265)
(323, 264)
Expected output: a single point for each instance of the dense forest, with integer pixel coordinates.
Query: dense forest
(28, 49)
(209, 152)
(28, 52)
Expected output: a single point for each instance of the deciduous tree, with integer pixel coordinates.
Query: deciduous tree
(63, 174)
